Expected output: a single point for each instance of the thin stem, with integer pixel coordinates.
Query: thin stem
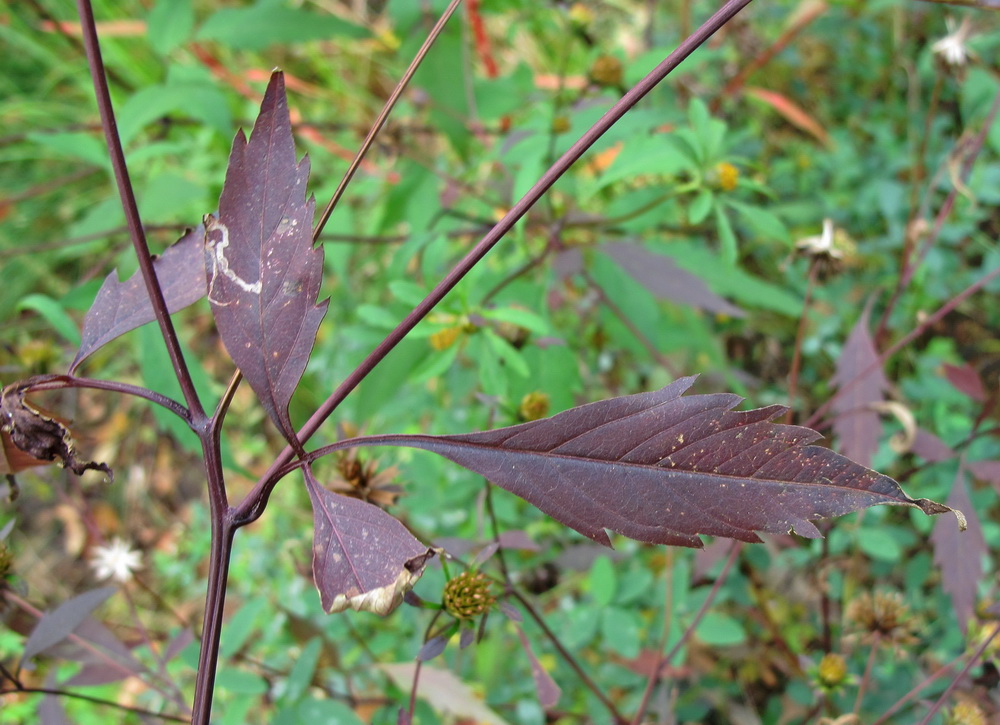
(223, 531)
(91, 699)
(138, 236)
(380, 120)
(866, 678)
(976, 656)
(913, 256)
(59, 382)
(569, 659)
(793, 374)
(734, 552)
(254, 501)
(668, 614)
(98, 653)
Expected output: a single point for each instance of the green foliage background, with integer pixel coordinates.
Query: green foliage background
(722, 185)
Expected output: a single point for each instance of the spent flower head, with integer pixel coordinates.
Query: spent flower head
(953, 48)
(116, 561)
(882, 617)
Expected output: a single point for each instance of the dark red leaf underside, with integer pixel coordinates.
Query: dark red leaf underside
(662, 468)
(966, 380)
(959, 555)
(857, 425)
(263, 273)
(123, 306)
(363, 558)
(663, 278)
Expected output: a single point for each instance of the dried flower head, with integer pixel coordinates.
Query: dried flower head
(882, 617)
(831, 249)
(607, 71)
(117, 561)
(468, 595)
(953, 48)
(363, 480)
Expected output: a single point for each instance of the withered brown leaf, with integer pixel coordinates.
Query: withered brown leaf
(40, 435)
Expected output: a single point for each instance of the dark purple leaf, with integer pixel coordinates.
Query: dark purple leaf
(661, 276)
(58, 624)
(123, 306)
(96, 674)
(466, 637)
(986, 471)
(432, 648)
(518, 540)
(94, 644)
(959, 555)
(484, 554)
(931, 448)
(548, 690)
(50, 711)
(510, 611)
(263, 273)
(857, 425)
(662, 468)
(363, 558)
(966, 380)
(178, 644)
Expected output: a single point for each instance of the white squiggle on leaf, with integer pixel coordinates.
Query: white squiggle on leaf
(219, 261)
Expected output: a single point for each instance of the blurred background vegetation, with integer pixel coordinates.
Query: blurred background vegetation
(690, 240)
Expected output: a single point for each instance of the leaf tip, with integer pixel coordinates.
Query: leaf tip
(933, 508)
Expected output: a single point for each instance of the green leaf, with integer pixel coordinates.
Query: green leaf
(54, 314)
(301, 675)
(242, 626)
(701, 206)
(169, 24)
(621, 631)
(879, 544)
(327, 711)
(257, 27)
(85, 146)
(508, 353)
(733, 282)
(763, 222)
(240, 682)
(603, 581)
(201, 101)
(520, 317)
(720, 630)
(728, 246)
